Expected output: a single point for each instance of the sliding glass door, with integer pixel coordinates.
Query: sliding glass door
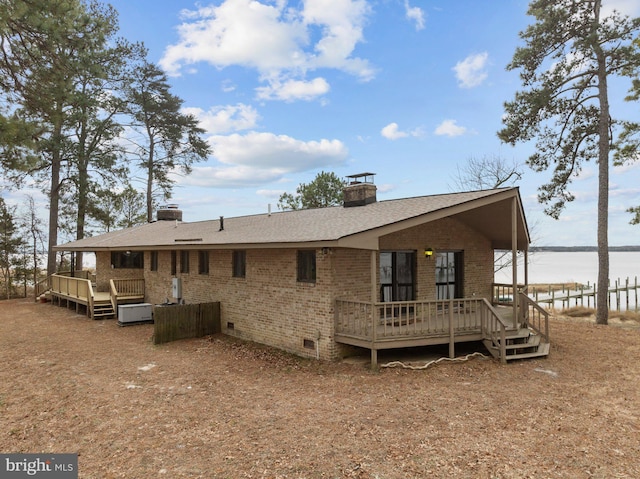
(449, 274)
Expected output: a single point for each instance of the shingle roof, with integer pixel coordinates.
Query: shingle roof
(302, 226)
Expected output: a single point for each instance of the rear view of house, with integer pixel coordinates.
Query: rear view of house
(323, 282)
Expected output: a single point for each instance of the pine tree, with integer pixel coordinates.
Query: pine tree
(54, 54)
(569, 56)
(10, 244)
(167, 139)
(325, 190)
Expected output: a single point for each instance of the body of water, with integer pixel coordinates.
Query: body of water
(581, 267)
(574, 267)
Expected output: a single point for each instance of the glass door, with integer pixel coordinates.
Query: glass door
(397, 275)
(449, 269)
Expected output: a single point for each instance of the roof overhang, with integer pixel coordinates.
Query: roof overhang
(496, 217)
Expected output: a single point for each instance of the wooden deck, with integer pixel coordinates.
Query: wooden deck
(406, 324)
(79, 292)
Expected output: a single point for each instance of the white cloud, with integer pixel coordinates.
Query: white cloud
(258, 158)
(276, 40)
(294, 90)
(471, 72)
(228, 86)
(342, 23)
(415, 14)
(450, 128)
(392, 132)
(225, 119)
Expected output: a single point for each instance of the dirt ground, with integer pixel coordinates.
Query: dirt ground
(219, 408)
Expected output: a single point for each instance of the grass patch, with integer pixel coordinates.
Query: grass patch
(578, 312)
(626, 315)
(583, 312)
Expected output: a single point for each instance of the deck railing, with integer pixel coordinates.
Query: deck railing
(44, 285)
(77, 289)
(123, 289)
(503, 293)
(384, 321)
(128, 287)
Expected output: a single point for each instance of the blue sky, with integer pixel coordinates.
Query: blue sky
(407, 89)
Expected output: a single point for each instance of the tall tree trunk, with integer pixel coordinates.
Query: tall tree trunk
(54, 194)
(604, 141)
(83, 189)
(150, 182)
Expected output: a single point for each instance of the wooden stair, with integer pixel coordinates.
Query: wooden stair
(521, 344)
(103, 310)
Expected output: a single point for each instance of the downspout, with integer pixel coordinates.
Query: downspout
(514, 258)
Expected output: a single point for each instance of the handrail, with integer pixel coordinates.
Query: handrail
(113, 296)
(91, 298)
(42, 287)
(122, 288)
(494, 324)
(532, 315)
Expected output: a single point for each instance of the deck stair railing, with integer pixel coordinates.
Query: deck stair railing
(124, 291)
(532, 315)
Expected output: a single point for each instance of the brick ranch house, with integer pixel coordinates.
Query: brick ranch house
(321, 282)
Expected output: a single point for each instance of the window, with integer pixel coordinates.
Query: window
(239, 264)
(174, 263)
(203, 262)
(307, 266)
(184, 261)
(127, 259)
(154, 261)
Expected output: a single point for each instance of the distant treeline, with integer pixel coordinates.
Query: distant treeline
(566, 249)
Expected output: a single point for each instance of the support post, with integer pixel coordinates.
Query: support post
(514, 257)
(452, 335)
(374, 297)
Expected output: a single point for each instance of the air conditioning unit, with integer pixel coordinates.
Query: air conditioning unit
(135, 313)
(176, 288)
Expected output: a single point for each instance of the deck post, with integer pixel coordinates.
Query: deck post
(374, 294)
(452, 336)
(514, 257)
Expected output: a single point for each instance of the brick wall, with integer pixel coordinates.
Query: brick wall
(104, 272)
(447, 234)
(271, 307)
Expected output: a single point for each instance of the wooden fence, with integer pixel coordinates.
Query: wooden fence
(185, 321)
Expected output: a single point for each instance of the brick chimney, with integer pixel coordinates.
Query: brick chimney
(359, 190)
(169, 213)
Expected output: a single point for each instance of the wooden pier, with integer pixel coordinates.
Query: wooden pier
(573, 294)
